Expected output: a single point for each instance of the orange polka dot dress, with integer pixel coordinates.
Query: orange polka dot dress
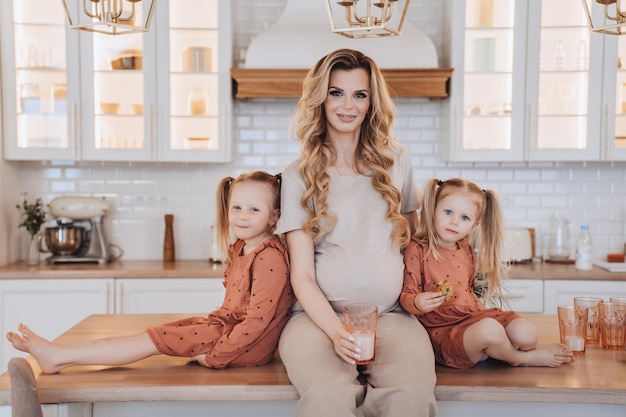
(245, 330)
(447, 323)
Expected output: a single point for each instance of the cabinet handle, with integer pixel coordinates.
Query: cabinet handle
(119, 309)
(514, 296)
(456, 129)
(151, 140)
(607, 126)
(532, 135)
(72, 134)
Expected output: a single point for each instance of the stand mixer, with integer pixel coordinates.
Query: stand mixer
(78, 235)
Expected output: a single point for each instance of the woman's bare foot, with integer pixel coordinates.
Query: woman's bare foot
(548, 355)
(41, 349)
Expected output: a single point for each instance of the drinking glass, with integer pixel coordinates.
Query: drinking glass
(612, 326)
(593, 327)
(573, 327)
(360, 320)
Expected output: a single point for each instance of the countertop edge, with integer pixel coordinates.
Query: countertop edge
(204, 269)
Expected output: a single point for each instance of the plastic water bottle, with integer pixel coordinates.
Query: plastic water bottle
(584, 249)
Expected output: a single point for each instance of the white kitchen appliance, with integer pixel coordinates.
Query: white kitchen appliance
(518, 245)
(78, 234)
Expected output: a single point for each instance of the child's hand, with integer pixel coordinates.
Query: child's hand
(428, 301)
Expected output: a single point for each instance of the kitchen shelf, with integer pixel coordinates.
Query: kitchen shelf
(287, 83)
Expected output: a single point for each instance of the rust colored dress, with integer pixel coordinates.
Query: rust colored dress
(245, 330)
(447, 323)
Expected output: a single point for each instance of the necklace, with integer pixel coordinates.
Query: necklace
(350, 174)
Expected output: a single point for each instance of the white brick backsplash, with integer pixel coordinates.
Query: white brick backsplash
(141, 193)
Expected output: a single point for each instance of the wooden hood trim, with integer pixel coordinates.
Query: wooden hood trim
(287, 83)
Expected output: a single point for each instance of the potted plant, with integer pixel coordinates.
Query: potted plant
(33, 217)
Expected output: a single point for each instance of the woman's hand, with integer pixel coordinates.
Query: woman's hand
(427, 301)
(345, 346)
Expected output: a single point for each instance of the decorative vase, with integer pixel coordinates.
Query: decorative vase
(32, 255)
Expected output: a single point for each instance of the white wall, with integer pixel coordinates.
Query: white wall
(593, 193)
(9, 216)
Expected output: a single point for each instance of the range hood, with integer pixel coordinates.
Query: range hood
(278, 59)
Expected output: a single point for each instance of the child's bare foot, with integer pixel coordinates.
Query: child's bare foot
(41, 349)
(548, 355)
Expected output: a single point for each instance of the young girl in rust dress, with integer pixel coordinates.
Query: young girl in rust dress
(244, 331)
(439, 279)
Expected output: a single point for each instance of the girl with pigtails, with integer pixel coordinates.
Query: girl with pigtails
(440, 274)
(243, 331)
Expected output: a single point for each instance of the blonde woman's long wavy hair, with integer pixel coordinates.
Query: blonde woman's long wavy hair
(489, 235)
(374, 151)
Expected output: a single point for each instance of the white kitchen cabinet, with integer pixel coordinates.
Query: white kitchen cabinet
(523, 295)
(49, 307)
(528, 83)
(164, 95)
(558, 292)
(177, 295)
(39, 103)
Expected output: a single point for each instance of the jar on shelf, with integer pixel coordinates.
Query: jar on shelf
(30, 99)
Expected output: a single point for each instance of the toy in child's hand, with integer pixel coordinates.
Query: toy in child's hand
(445, 289)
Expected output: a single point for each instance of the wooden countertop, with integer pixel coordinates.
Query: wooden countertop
(117, 269)
(597, 377)
(204, 269)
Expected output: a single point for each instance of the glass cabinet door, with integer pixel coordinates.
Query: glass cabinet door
(530, 82)
(118, 107)
(564, 83)
(39, 104)
(487, 101)
(194, 81)
(615, 99)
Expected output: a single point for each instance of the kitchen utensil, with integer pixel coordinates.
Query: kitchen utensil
(573, 327)
(110, 108)
(74, 213)
(130, 59)
(360, 320)
(593, 326)
(559, 245)
(30, 99)
(197, 100)
(62, 240)
(196, 59)
(612, 325)
(518, 245)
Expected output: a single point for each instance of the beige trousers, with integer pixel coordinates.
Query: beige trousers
(400, 382)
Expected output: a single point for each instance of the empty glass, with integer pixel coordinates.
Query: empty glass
(593, 327)
(612, 326)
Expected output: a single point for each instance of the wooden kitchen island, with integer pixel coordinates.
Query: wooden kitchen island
(165, 386)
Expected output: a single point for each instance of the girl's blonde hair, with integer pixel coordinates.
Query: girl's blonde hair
(224, 189)
(374, 151)
(489, 236)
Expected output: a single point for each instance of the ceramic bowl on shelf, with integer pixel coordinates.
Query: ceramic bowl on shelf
(138, 109)
(130, 59)
(109, 108)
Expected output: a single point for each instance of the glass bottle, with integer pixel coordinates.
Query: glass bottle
(584, 249)
(559, 248)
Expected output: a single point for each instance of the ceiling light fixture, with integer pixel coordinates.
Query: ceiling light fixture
(367, 18)
(613, 12)
(111, 17)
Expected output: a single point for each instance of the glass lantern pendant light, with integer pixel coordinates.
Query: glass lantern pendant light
(367, 18)
(613, 17)
(111, 17)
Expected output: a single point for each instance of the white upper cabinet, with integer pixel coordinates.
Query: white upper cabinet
(39, 104)
(531, 83)
(164, 95)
